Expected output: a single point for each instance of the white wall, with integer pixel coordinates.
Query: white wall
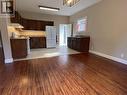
(5, 40)
(4, 20)
(107, 26)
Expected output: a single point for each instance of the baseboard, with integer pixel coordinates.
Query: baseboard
(110, 57)
(8, 60)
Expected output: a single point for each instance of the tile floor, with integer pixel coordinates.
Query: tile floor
(43, 53)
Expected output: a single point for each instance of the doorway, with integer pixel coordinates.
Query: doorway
(64, 32)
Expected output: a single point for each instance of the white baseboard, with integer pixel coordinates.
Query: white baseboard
(109, 57)
(8, 60)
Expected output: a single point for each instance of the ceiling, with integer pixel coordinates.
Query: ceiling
(32, 6)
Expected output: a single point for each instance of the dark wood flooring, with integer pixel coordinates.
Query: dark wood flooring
(78, 74)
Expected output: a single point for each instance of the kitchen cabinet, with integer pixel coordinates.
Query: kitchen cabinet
(37, 42)
(80, 44)
(19, 48)
(31, 24)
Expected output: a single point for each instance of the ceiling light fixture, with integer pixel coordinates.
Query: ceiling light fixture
(70, 3)
(48, 8)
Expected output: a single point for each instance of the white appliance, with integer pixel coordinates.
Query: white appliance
(51, 36)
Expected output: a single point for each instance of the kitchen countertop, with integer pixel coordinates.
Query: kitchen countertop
(24, 34)
(21, 38)
(26, 37)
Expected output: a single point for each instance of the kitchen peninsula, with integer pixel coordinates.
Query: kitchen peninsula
(24, 40)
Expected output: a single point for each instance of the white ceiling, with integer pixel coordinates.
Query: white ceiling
(32, 6)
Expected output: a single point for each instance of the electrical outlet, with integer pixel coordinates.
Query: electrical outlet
(122, 55)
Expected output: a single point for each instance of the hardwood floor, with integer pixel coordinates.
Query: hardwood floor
(78, 74)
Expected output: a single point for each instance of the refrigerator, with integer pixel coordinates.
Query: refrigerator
(51, 36)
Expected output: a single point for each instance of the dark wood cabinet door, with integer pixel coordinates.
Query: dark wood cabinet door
(19, 48)
(31, 24)
(37, 42)
(80, 44)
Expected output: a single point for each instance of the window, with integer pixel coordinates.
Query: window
(81, 25)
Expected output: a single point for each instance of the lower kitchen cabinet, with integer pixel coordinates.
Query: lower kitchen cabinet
(37, 42)
(19, 48)
(80, 44)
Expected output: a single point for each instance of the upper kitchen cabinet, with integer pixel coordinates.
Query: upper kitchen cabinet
(30, 24)
(36, 24)
(16, 19)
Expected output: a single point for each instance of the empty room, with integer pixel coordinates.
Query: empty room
(63, 47)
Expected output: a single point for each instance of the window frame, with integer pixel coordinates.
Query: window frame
(85, 29)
